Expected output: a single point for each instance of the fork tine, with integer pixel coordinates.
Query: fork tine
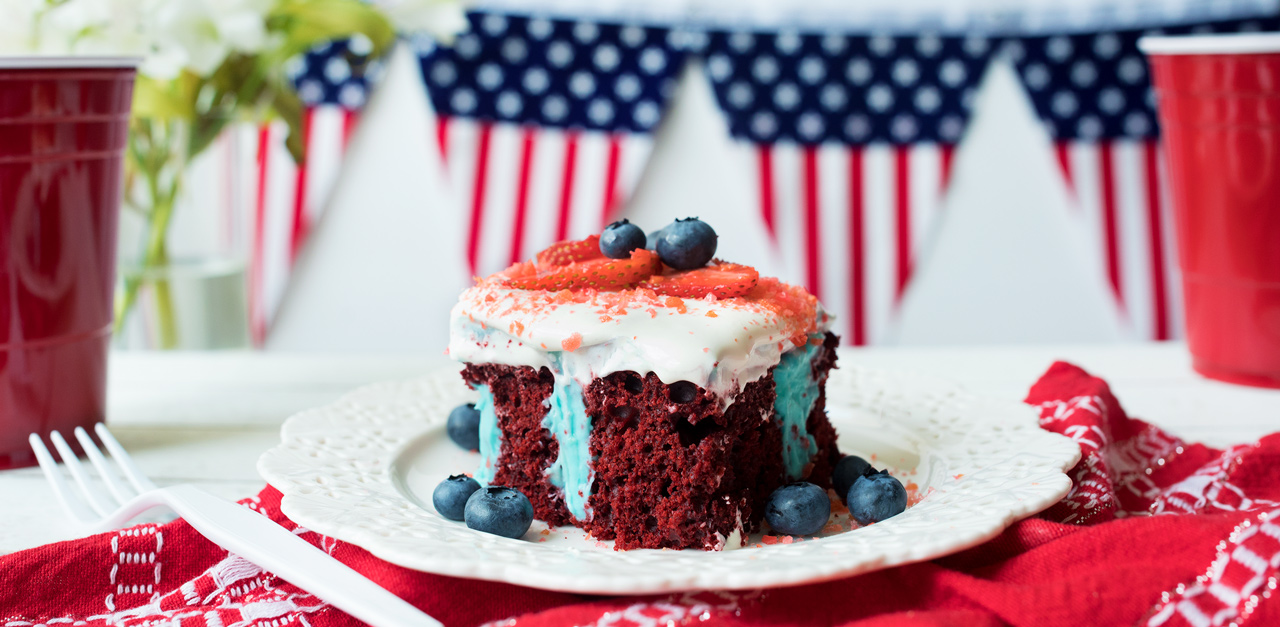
(108, 473)
(136, 476)
(70, 502)
(69, 459)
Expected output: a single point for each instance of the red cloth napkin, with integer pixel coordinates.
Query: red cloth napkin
(1156, 531)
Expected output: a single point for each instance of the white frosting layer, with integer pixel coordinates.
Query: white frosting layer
(718, 345)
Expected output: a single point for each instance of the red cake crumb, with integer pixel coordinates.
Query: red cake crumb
(672, 469)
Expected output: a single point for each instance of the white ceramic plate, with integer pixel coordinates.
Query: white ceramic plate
(362, 470)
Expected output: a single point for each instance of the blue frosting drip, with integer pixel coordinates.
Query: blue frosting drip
(796, 394)
(490, 437)
(567, 420)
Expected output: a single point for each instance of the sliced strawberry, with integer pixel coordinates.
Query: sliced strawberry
(567, 252)
(517, 269)
(604, 274)
(725, 280)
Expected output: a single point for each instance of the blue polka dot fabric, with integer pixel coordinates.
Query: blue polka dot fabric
(1093, 86)
(555, 73)
(812, 89)
(335, 73)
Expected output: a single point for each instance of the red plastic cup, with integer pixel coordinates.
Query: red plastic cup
(1219, 105)
(63, 127)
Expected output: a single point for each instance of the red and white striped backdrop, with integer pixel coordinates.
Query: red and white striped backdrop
(524, 188)
(852, 221)
(1122, 201)
(288, 200)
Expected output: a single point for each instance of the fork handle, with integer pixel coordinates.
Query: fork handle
(261, 541)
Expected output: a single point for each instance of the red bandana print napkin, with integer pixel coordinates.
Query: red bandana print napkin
(1156, 531)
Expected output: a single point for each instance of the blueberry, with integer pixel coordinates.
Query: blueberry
(620, 238)
(500, 511)
(450, 497)
(847, 470)
(651, 240)
(874, 498)
(687, 244)
(464, 426)
(799, 509)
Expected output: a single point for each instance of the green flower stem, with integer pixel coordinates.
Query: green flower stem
(151, 160)
(157, 257)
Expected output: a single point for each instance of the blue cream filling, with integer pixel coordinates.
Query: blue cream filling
(797, 391)
(567, 420)
(490, 437)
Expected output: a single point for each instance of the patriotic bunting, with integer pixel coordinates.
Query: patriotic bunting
(852, 139)
(545, 126)
(1094, 94)
(332, 80)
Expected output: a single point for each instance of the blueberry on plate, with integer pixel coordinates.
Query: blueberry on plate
(687, 244)
(876, 497)
(450, 497)
(847, 470)
(620, 238)
(501, 511)
(798, 509)
(464, 426)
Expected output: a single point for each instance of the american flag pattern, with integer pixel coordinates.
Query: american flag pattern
(332, 80)
(1094, 94)
(851, 137)
(545, 125)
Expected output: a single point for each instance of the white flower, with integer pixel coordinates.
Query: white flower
(74, 27)
(100, 27)
(17, 25)
(199, 34)
(442, 19)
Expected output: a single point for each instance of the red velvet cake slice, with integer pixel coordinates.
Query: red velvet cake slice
(654, 407)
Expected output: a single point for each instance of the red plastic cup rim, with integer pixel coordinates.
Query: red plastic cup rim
(40, 62)
(1240, 43)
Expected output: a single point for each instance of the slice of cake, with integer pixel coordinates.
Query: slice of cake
(655, 406)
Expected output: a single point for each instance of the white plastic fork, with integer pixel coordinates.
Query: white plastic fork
(228, 525)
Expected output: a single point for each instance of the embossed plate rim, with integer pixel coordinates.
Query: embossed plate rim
(333, 466)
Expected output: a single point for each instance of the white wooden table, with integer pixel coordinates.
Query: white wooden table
(206, 417)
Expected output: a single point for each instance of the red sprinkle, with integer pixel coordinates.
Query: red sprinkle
(572, 342)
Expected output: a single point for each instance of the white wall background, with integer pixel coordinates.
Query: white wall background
(382, 268)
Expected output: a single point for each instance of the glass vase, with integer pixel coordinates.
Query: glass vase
(183, 236)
